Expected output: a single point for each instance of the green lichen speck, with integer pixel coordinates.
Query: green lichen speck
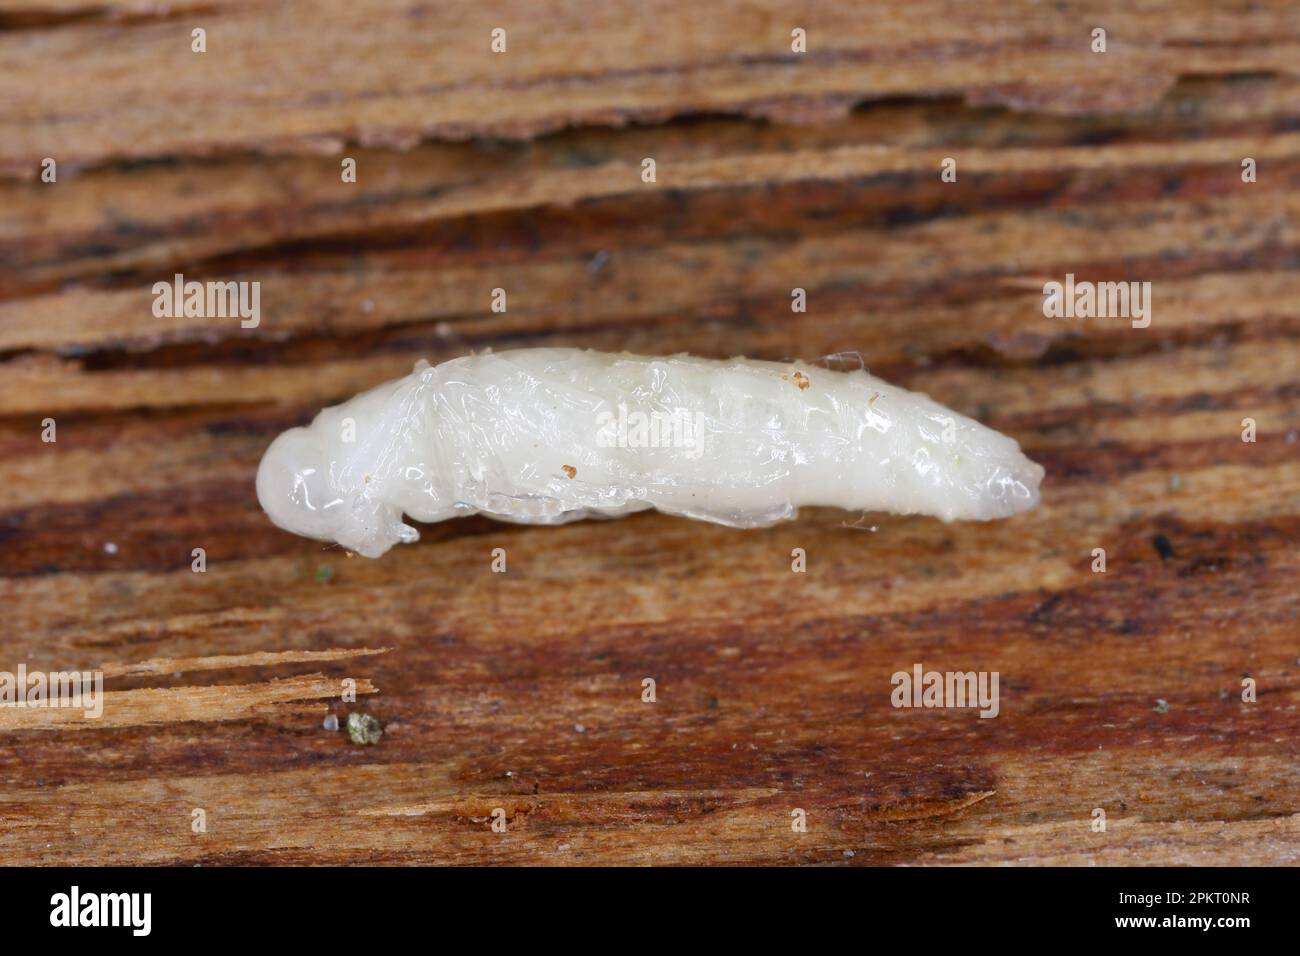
(364, 729)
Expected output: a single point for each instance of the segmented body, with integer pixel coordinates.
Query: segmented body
(552, 435)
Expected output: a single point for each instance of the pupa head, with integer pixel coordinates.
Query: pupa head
(305, 489)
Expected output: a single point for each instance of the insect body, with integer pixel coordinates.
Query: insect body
(545, 436)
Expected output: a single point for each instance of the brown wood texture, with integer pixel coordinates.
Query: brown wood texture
(522, 691)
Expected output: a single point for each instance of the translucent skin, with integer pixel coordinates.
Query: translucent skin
(538, 436)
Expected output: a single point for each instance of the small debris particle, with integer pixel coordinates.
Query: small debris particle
(850, 854)
(597, 262)
(1162, 706)
(110, 547)
(1163, 547)
(1175, 482)
(580, 728)
(872, 402)
(331, 722)
(364, 729)
(569, 470)
(324, 573)
(802, 381)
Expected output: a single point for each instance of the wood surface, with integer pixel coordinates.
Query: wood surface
(522, 691)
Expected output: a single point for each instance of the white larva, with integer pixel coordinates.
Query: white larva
(545, 436)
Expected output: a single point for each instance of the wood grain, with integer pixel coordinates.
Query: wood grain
(522, 692)
(372, 74)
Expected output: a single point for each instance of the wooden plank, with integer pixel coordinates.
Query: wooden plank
(522, 692)
(355, 72)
